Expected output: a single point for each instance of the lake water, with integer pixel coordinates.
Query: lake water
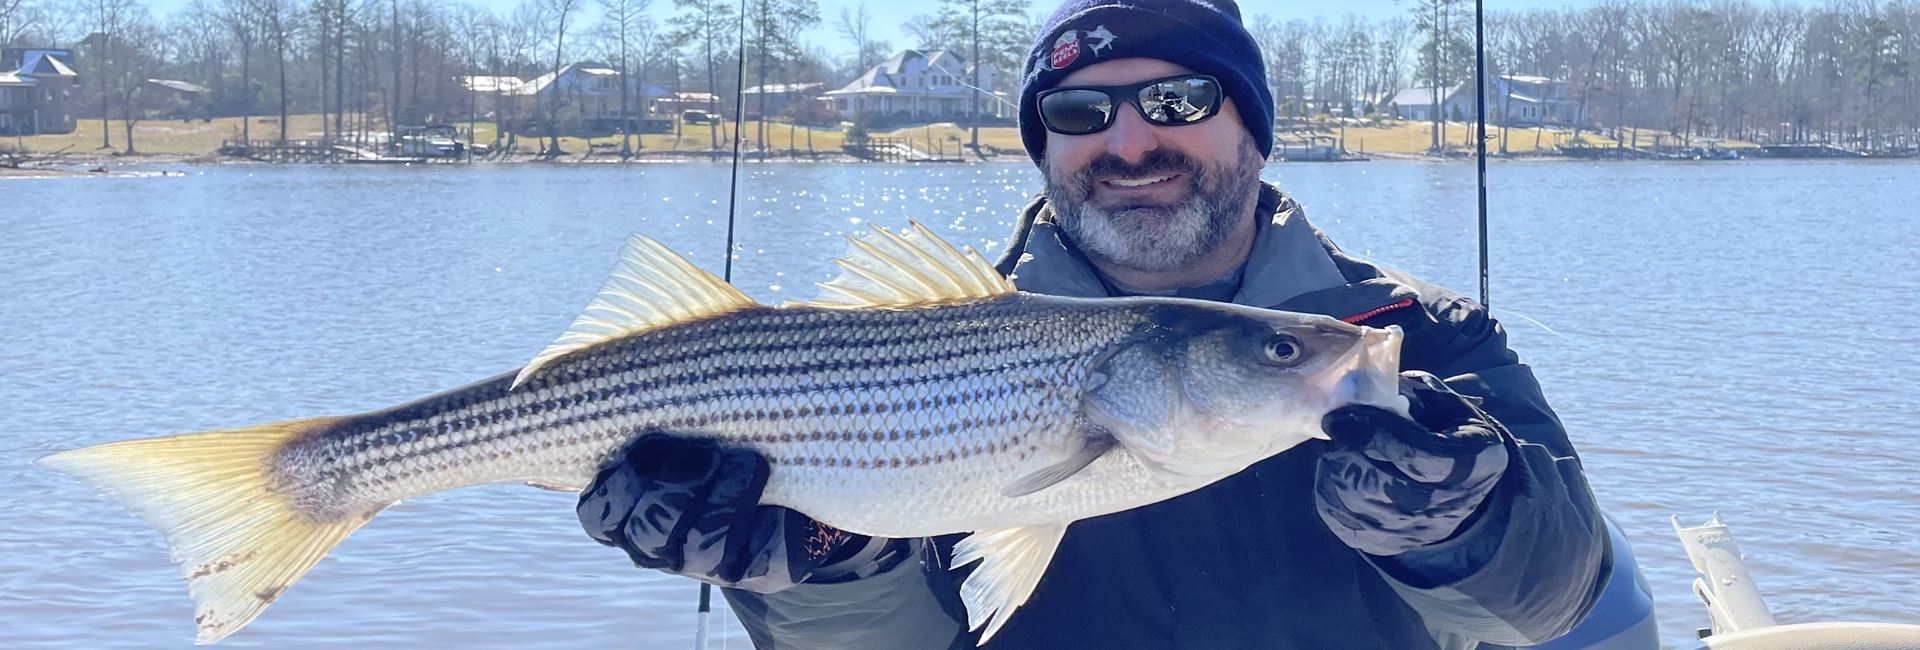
(1722, 337)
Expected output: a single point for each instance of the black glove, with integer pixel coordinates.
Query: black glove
(1390, 484)
(691, 507)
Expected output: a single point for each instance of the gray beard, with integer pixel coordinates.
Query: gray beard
(1159, 238)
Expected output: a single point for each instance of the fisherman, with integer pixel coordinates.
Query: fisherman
(1470, 523)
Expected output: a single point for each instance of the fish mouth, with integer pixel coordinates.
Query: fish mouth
(1369, 372)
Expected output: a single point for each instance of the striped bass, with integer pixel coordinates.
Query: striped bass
(921, 395)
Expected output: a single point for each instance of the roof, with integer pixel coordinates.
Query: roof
(506, 85)
(180, 86)
(13, 80)
(42, 65)
(1526, 79)
(1422, 96)
(889, 75)
(783, 88)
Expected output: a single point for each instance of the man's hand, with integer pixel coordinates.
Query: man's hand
(1390, 484)
(690, 507)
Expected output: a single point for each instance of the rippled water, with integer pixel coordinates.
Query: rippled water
(1722, 337)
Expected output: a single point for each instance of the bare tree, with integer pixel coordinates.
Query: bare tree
(625, 23)
(238, 18)
(856, 25)
(707, 27)
(776, 25)
(107, 18)
(277, 20)
(989, 28)
(136, 56)
(18, 18)
(561, 12)
(929, 32)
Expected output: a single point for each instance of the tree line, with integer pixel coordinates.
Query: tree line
(1841, 71)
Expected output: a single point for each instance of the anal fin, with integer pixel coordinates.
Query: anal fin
(556, 486)
(1011, 563)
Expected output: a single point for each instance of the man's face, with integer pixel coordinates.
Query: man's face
(1147, 197)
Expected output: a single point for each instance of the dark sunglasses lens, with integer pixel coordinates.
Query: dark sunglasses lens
(1076, 111)
(1180, 101)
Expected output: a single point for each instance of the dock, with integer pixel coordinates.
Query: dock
(894, 150)
(315, 152)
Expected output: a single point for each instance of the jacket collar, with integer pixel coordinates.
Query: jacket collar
(1288, 259)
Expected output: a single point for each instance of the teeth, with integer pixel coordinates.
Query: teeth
(1137, 182)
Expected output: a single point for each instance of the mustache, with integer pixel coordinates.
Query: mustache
(1156, 162)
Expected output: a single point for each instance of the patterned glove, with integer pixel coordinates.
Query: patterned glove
(690, 507)
(1392, 484)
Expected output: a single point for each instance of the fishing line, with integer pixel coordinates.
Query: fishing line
(726, 273)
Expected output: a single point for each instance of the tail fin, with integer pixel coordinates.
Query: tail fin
(237, 541)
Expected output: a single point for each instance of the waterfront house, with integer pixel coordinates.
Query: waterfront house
(917, 85)
(37, 91)
(800, 101)
(1417, 104)
(1533, 101)
(174, 99)
(1523, 100)
(587, 96)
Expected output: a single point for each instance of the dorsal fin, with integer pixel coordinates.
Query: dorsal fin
(912, 267)
(651, 286)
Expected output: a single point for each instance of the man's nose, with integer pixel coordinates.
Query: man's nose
(1130, 137)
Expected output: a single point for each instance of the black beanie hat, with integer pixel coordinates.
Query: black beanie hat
(1206, 36)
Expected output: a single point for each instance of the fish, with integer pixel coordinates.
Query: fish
(921, 394)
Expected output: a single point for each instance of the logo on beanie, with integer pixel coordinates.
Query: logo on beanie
(1066, 49)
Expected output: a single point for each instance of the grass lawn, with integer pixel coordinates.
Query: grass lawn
(204, 138)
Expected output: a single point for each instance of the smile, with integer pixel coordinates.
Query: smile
(1139, 182)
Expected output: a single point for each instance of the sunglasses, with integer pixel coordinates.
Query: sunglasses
(1168, 101)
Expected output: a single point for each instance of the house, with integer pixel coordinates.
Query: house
(1523, 100)
(1416, 104)
(502, 97)
(681, 102)
(37, 91)
(1533, 101)
(586, 94)
(793, 100)
(920, 85)
(173, 99)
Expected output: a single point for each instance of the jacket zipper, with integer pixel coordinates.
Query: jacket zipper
(1356, 319)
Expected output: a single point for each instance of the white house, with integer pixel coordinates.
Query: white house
(1417, 104)
(916, 84)
(1523, 100)
(588, 90)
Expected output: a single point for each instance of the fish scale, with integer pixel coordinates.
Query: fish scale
(921, 395)
(782, 382)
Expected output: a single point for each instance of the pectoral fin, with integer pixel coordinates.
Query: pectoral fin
(1011, 563)
(1092, 447)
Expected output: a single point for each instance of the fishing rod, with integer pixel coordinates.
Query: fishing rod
(705, 608)
(1480, 140)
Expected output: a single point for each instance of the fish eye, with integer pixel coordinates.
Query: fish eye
(1283, 350)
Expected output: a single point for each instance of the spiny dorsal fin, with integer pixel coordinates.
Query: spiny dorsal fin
(912, 267)
(651, 286)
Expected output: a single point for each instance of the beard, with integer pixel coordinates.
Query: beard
(1153, 237)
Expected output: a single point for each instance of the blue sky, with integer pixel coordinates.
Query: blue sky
(888, 15)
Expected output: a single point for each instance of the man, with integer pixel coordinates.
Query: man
(1468, 524)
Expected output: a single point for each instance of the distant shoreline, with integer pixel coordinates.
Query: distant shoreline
(88, 164)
